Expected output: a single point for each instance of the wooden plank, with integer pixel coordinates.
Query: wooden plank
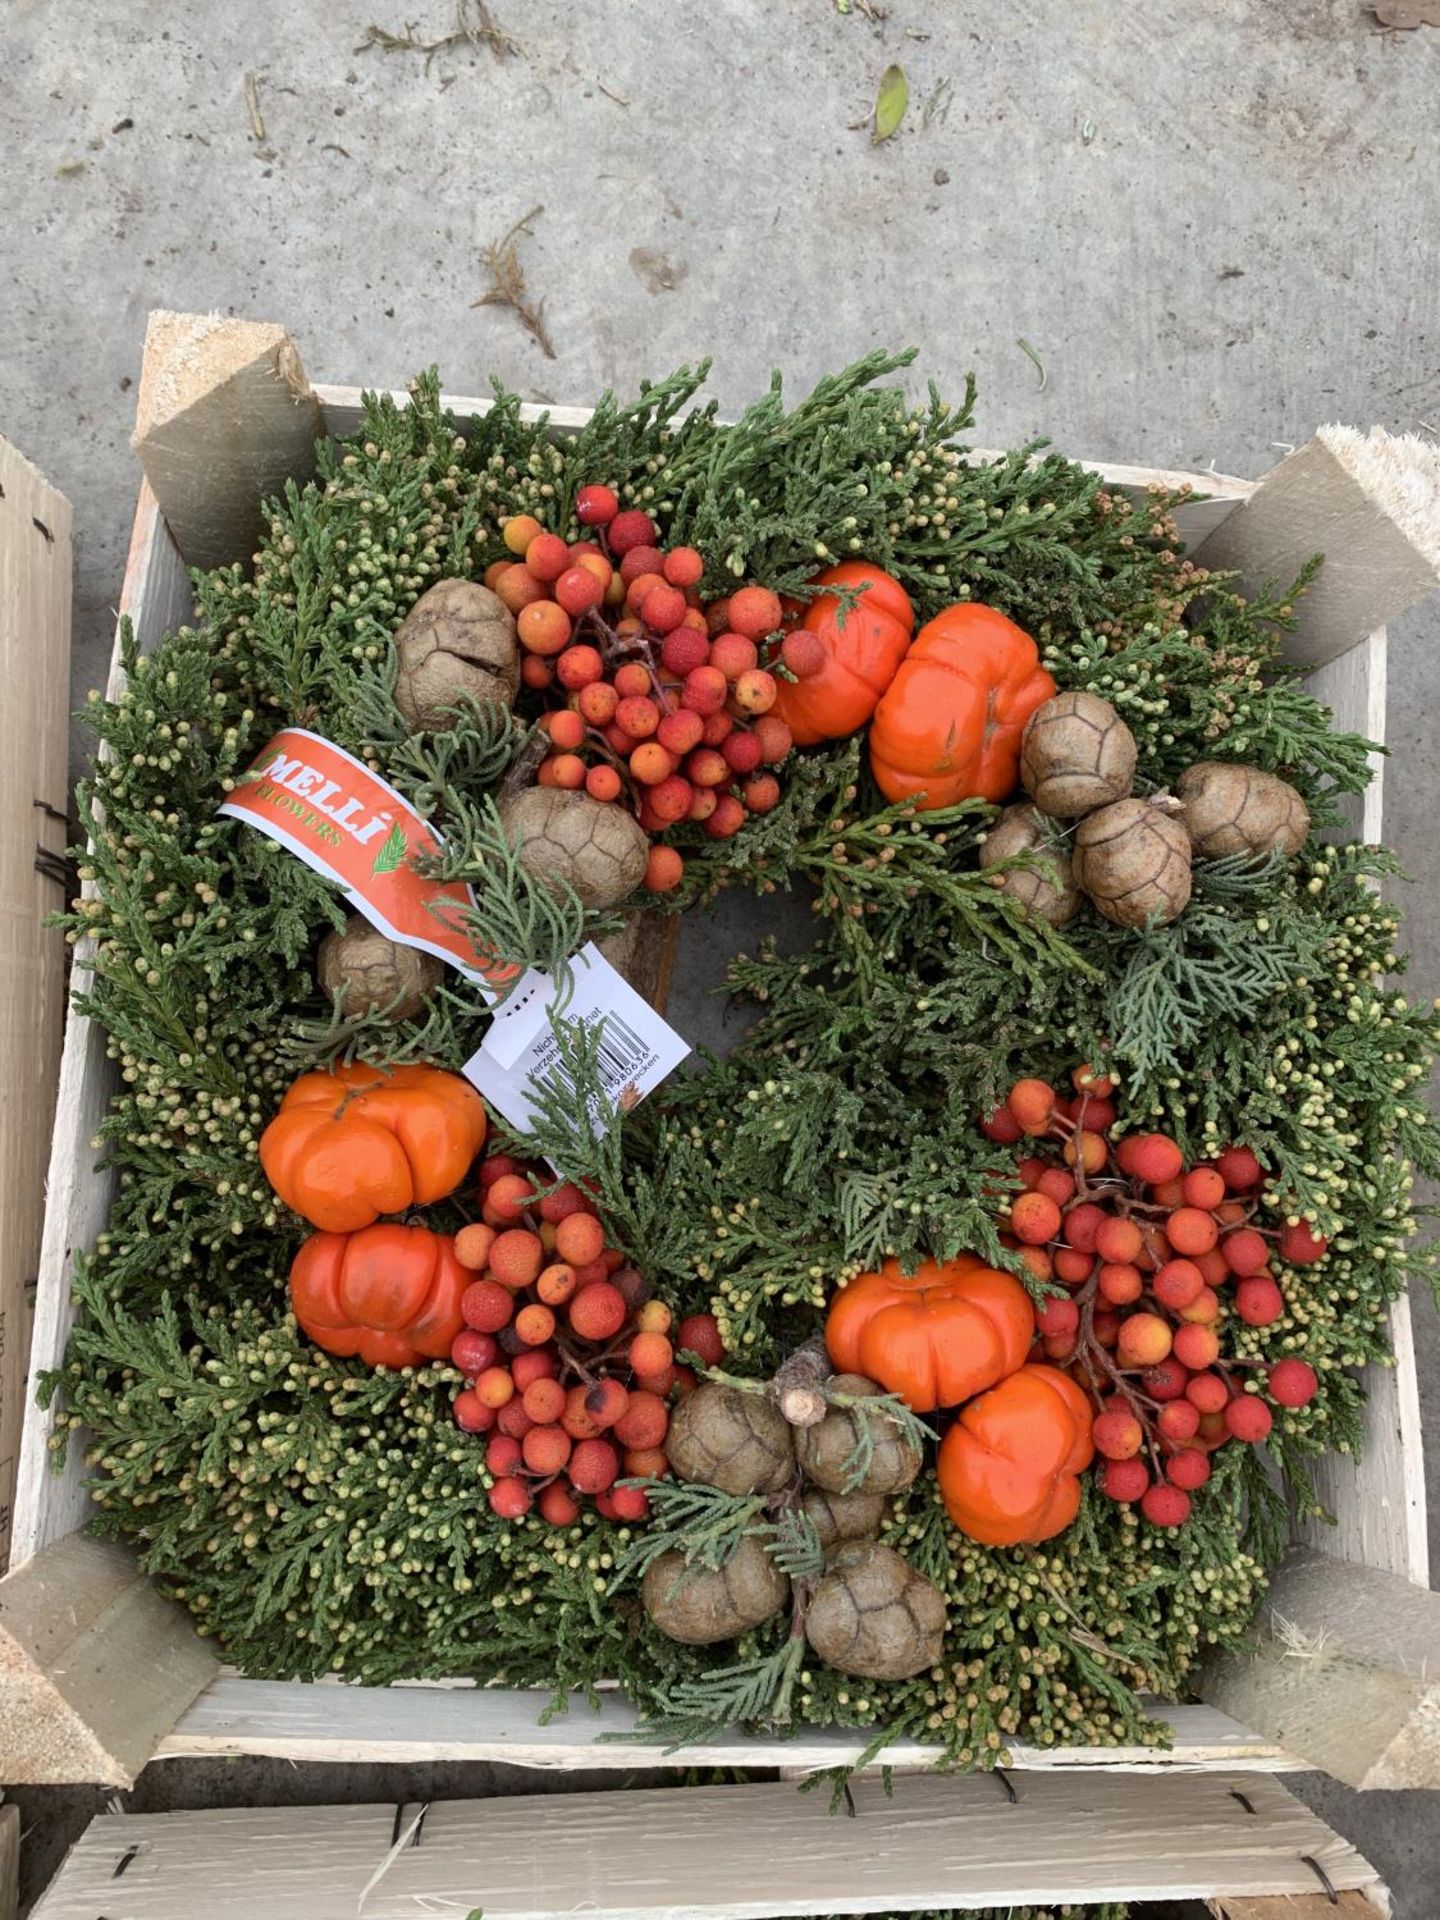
(1353, 685)
(735, 1853)
(9, 1863)
(459, 1721)
(225, 417)
(1370, 503)
(35, 557)
(94, 1666)
(1295, 1906)
(1342, 1669)
(156, 598)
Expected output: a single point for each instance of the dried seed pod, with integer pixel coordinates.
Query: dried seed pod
(828, 1452)
(1133, 859)
(873, 1615)
(1076, 754)
(843, 1516)
(1235, 809)
(1048, 888)
(374, 973)
(737, 1441)
(599, 849)
(457, 641)
(699, 1605)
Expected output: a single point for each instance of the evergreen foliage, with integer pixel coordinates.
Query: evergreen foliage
(316, 1517)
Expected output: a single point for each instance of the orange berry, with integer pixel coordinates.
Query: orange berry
(516, 1258)
(565, 727)
(603, 783)
(1203, 1188)
(1086, 1150)
(1190, 1231)
(646, 1463)
(598, 1311)
(754, 611)
(546, 1449)
(644, 1422)
(1177, 1284)
(733, 654)
(567, 770)
(594, 1466)
(1203, 1310)
(1144, 1339)
(579, 589)
(664, 869)
(517, 588)
(579, 1238)
(555, 1284)
(684, 567)
(761, 793)
(543, 628)
(544, 1401)
(1120, 1283)
(508, 1197)
(1117, 1434)
(597, 703)
(650, 1353)
(756, 691)
(650, 763)
(534, 1325)
(547, 557)
(494, 571)
(1117, 1239)
(1032, 1103)
(472, 1247)
(1034, 1218)
(1196, 1347)
(518, 532)
(494, 1387)
(637, 716)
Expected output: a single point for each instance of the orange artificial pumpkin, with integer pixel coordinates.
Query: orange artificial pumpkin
(389, 1294)
(352, 1143)
(1009, 1468)
(935, 1336)
(863, 648)
(949, 725)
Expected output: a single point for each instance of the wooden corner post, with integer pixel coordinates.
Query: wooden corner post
(1343, 1670)
(1370, 502)
(225, 417)
(35, 646)
(95, 1668)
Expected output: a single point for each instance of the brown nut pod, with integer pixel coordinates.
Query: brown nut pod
(873, 1615)
(1133, 859)
(1234, 809)
(457, 641)
(1076, 754)
(699, 1605)
(737, 1441)
(826, 1451)
(843, 1516)
(599, 849)
(1048, 888)
(373, 973)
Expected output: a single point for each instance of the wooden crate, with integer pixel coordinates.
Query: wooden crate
(729, 1853)
(35, 638)
(212, 443)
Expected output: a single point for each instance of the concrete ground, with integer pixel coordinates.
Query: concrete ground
(1214, 226)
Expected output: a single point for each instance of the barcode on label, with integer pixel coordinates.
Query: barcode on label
(622, 1056)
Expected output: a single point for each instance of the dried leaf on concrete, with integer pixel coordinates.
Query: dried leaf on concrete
(507, 283)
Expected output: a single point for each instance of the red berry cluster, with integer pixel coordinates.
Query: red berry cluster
(667, 708)
(569, 1362)
(1154, 1255)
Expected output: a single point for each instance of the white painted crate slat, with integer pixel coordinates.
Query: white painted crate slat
(1379, 1505)
(461, 1722)
(713, 1853)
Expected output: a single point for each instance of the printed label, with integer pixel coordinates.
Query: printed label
(636, 1047)
(331, 811)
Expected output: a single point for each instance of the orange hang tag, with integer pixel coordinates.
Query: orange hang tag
(329, 810)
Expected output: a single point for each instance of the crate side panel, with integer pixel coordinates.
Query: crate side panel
(35, 569)
(1378, 1500)
(737, 1853)
(49, 1505)
(328, 1721)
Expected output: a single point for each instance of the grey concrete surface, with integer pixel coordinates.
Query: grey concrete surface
(1215, 224)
